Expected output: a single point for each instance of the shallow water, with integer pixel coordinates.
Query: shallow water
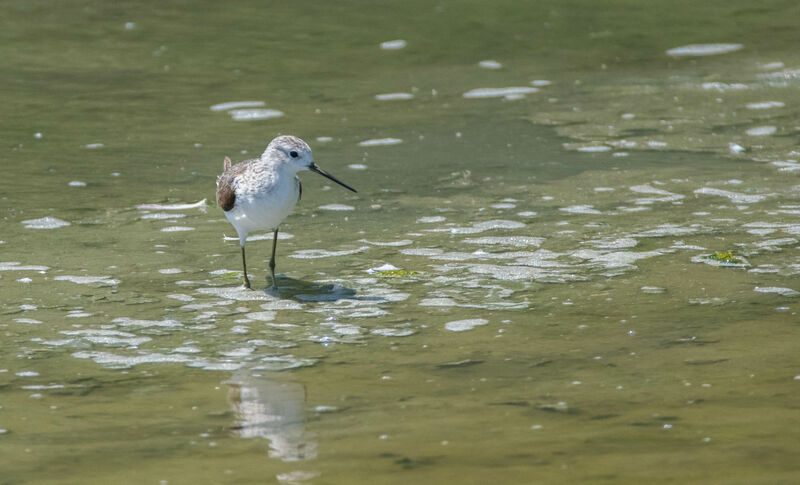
(573, 256)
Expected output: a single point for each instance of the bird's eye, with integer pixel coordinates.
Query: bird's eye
(293, 154)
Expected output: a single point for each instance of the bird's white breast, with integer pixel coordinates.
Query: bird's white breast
(265, 195)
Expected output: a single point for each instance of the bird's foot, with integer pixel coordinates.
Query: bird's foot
(273, 288)
(246, 282)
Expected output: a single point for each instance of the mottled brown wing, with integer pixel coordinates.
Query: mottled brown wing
(226, 195)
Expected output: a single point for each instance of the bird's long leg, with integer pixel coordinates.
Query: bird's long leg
(272, 259)
(244, 270)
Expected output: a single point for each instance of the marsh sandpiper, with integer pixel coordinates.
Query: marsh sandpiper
(258, 194)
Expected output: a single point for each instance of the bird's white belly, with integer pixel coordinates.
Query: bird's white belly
(262, 210)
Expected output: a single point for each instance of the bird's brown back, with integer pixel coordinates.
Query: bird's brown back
(226, 195)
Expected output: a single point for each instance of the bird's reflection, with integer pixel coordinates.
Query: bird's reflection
(271, 406)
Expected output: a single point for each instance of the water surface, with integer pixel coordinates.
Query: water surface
(573, 256)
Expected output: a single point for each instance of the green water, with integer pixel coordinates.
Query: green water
(558, 313)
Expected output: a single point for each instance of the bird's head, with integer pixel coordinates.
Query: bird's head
(295, 154)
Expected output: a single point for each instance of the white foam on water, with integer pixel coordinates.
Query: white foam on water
(161, 216)
(787, 166)
(324, 139)
(788, 292)
(170, 271)
(422, 252)
(240, 352)
(723, 87)
(393, 44)
(541, 82)
(580, 209)
(218, 272)
(45, 223)
(393, 96)
(633, 209)
(107, 337)
(656, 144)
(478, 227)
(167, 207)
(337, 207)
(766, 105)
(27, 373)
(612, 243)
(654, 290)
(357, 166)
(490, 64)
(265, 316)
(703, 49)
(78, 314)
(278, 304)
(761, 232)
(464, 325)
(385, 267)
(346, 329)
(238, 293)
(402, 242)
(44, 387)
(186, 349)
(94, 145)
(216, 366)
(762, 130)
(181, 297)
(593, 148)
(517, 273)
(24, 280)
(177, 229)
(77, 183)
(441, 302)
(296, 476)
(133, 322)
(323, 253)
(431, 219)
(774, 243)
(251, 114)
(17, 266)
(236, 104)
(29, 321)
(664, 230)
(664, 196)
(88, 280)
(527, 214)
(735, 197)
(393, 332)
(517, 241)
(616, 259)
(123, 362)
(735, 148)
(380, 142)
(499, 92)
(479, 254)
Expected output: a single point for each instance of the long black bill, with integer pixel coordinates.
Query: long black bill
(313, 167)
